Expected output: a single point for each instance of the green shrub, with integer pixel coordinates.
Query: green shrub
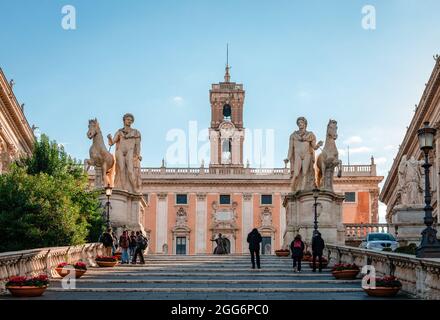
(45, 201)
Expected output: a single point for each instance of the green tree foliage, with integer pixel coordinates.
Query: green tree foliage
(45, 201)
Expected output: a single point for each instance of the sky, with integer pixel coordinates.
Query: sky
(158, 59)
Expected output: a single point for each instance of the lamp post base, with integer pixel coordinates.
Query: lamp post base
(430, 245)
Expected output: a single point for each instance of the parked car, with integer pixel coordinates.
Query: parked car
(379, 241)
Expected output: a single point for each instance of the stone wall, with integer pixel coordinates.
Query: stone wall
(36, 261)
(420, 277)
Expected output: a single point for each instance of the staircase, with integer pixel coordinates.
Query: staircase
(207, 277)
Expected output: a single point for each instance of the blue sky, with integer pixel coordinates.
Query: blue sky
(158, 59)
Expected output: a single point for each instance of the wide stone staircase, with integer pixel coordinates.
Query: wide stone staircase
(207, 277)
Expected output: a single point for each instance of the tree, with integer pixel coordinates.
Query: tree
(45, 201)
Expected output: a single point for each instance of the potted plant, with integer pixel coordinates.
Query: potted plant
(307, 256)
(282, 252)
(345, 271)
(324, 262)
(104, 261)
(388, 286)
(118, 255)
(28, 286)
(63, 269)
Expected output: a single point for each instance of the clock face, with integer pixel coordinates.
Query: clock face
(227, 130)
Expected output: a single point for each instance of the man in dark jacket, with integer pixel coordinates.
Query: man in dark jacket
(141, 245)
(107, 241)
(254, 239)
(317, 250)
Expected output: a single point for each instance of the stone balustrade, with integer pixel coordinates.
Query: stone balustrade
(359, 231)
(227, 172)
(37, 261)
(420, 277)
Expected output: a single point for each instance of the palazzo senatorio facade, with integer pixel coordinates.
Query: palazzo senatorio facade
(188, 207)
(16, 136)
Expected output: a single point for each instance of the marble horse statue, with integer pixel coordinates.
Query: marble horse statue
(100, 157)
(328, 159)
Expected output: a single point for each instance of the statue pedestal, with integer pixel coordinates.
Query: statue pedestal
(300, 216)
(408, 219)
(126, 210)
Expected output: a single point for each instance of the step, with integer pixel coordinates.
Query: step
(209, 290)
(160, 275)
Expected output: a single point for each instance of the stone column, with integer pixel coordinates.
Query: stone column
(236, 149)
(247, 220)
(283, 222)
(161, 222)
(374, 206)
(213, 137)
(201, 223)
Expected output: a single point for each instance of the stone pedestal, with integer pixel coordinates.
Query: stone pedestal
(126, 210)
(300, 216)
(409, 223)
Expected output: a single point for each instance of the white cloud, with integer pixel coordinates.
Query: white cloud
(178, 101)
(380, 160)
(353, 140)
(389, 147)
(303, 94)
(363, 149)
(360, 150)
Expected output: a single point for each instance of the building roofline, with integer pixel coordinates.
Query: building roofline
(430, 92)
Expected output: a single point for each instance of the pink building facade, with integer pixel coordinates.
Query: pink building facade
(188, 207)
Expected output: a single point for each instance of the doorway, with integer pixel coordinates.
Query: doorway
(266, 245)
(181, 245)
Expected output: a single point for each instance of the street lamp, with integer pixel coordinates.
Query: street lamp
(430, 245)
(315, 205)
(108, 193)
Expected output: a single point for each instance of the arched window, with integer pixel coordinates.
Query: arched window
(227, 112)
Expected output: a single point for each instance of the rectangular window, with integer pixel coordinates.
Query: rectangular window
(350, 197)
(181, 199)
(266, 199)
(225, 199)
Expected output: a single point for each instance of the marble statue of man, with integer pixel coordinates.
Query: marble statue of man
(410, 181)
(128, 158)
(301, 154)
(401, 173)
(414, 188)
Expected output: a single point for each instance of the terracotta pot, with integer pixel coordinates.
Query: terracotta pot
(26, 292)
(64, 272)
(106, 263)
(307, 258)
(382, 291)
(282, 253)
(345, 274)
(118, 255)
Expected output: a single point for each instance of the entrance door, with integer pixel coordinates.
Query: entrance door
(266, 245)
(181, 245)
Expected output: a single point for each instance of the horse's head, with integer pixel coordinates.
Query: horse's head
(93, 128)
(332, 129)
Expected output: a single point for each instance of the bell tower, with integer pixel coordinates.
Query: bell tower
(226, 133)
